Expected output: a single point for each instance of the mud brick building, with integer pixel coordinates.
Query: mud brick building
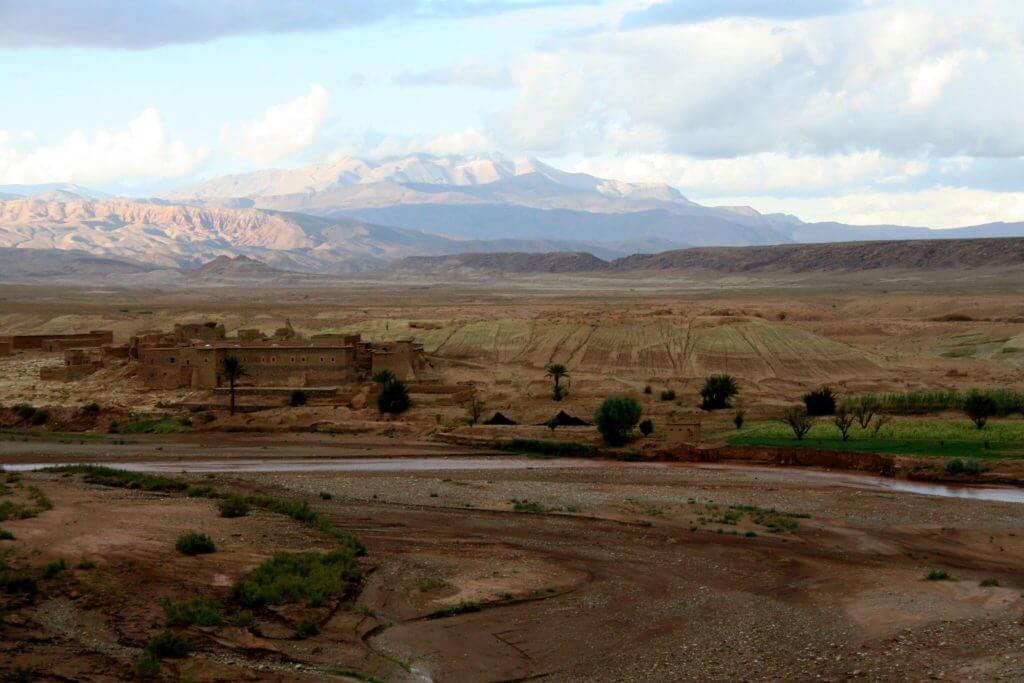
(192, 357)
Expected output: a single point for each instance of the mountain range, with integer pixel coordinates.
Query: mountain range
(354, 214)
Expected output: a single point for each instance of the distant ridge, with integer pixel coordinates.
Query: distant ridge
(795, 258)
(507, 262)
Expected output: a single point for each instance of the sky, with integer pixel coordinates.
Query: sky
(862, 111)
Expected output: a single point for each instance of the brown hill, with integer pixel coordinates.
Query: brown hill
(505, 262)
(838, 256)
(946, 254)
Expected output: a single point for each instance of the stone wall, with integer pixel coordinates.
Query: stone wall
(24, 342)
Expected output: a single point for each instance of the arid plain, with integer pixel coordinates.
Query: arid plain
(654, 561)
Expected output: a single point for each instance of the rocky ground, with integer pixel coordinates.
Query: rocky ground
(607, 571)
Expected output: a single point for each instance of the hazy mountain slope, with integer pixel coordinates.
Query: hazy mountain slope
(20, 264)
(172, 235)
(492, 196)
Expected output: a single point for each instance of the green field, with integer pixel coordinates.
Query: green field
(945, 438)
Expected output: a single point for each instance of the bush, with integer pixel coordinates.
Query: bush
(938, 575)
(647, 389)
(738, 419)
(393, 398)
(39, 417)
(113, 427)
(718, 391)
(973, 466)
(147, 666)
(93, 407)
(53, 569)
(195, 544)
(325, 496)
(298, 398)
(955, 466)
(646, 427)
(207, 417)
(19, 585)
(799, 421)
(979, 408)
(312, 578)
(616, 418)
(668, 395)
(6, 535)
(821, 401)
(306, 629)
(233, 506)
(24, 411)
(197, 610)
(168, 644)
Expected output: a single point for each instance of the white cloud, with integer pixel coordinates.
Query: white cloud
(939, 77)
(767, 172)
(468, 141)
(282, 130)
(141, 150)
(938, 207)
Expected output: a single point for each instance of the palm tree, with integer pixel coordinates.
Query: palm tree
(557, 371)
(384, 377)
(233, 369)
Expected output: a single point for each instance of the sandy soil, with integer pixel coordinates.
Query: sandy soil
(626, 573)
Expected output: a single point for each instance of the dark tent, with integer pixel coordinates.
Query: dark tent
(564, 419)
(499, 419)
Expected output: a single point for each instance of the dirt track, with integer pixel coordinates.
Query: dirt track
(623, 582)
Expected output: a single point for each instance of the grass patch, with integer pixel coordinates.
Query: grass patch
(430, 583)
(160, 425)
(553, 448)
(86, 565)
(938, 575)
(10, 509)
(233, 506)
(461, 608)
(312, 578)
(526, 505)
(6, 535)
(194, 543)
(930, 437)
(108, 476)
(194, 611)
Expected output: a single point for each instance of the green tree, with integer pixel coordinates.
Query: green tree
(799, 421)
(616, 418)
(979, 407)
(717, 391)
(233, 370)
(556, 371)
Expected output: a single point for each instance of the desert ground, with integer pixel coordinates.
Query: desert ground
(481, 565)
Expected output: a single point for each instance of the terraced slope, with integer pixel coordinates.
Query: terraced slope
(749, 347)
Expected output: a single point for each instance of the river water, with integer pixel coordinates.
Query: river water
(787, 475)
